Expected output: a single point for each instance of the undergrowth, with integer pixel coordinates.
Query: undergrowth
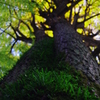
(48, 78)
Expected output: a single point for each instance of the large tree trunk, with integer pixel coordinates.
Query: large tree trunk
(76, 53)
(70, 43)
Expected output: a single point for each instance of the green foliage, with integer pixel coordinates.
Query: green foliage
(8, 60)
(12, 12)
(48, 78)
(37, 83)
(48, 75)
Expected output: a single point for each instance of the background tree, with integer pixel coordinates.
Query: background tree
(23, 21)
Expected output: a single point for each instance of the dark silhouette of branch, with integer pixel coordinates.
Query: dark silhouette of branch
(33, 23)
(14, 30)
(66, 9)
(20, 36)
(81, 24)
(44, 27)
(61, 7)
(21, 21)
(90, 41)
(76, 18)
(10, 35)
(25, 24)
(56, 3)
(96, 51)
(4, 30)
(94, 34)
(89, 18)
(15, 13)
(13, 46)
(20, 33)
(25, 39)
(87, 11)
(70, 14)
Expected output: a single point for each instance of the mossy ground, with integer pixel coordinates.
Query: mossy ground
(48, 78)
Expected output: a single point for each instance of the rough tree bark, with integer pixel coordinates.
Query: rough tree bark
(70, 43)
(67, 40)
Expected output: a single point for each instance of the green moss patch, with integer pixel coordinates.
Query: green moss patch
(48, 78)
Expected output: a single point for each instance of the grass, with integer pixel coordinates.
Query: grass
(48, 78)
(54, 85)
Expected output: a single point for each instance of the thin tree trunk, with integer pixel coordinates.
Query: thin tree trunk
(76, 53)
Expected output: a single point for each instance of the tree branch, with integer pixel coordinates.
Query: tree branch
(33, 23)
(94, 34)
(66, 9)
(4, 30)
(61, 7)
(89, 18)
(11, 35)
(96, 51)
(14, 31)
(26, 24)
(90, 41)
(25, 39)
(13, 46)
(70, 14)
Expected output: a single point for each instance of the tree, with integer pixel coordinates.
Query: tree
(25, 20)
